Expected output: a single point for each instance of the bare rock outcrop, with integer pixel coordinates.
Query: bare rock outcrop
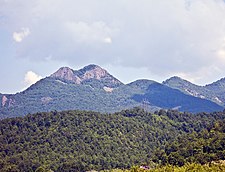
(87, 73)
(4, 100)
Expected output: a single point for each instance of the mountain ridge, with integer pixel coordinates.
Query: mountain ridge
(214, 92)
(93, 88)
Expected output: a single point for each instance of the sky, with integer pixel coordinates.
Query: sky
(131, 39)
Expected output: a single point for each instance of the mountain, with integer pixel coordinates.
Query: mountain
(168, 98)
(218, 90)
(90, 88)
(93, 88)
(214, 92)
(217, 86)
(88, 75)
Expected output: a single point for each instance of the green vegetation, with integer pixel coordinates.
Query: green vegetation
(59, 94)
(81, 140)
(50, 94)
(199, 147)
(214, 167)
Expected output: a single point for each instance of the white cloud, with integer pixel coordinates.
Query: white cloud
(108, 40)
(95, 32)
(19, 36)
(31, 78)
(163, 37)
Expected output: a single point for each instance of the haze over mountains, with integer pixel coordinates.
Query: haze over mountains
(93, 88)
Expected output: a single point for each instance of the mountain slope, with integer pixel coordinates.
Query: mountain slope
(49, 94)
(218, 89)
(93, 88)
(96, 90)
(184, 85)
(214, 92)
(217, 86)
(168, 98)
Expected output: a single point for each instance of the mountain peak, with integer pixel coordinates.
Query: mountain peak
(66, 73)
(90, 72)
(142, 84)
(173, 78)
(63, 72)
(91, 67)
(220, 84)
(177, 81)
(93, 72)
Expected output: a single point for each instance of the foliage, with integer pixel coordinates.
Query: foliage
(199, 147)
(85, 140)
(171, 168)
(63, 95)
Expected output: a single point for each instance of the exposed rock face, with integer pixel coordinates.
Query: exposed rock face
(4, 100)
(7, 102)
(95, 73)
(64, 72)
(46, 100)
(108, 89)
(67, 74)
(87, 73)
(11, 102)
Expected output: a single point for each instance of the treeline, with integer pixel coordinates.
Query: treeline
(82, 141)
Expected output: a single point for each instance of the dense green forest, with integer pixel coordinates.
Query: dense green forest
(193, 167)
(197, 147)
(85, 140)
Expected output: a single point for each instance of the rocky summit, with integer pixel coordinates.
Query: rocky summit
(90, 72)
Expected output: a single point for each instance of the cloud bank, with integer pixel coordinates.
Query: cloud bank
(178, 37)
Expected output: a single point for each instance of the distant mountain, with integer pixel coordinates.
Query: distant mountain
(217, 86)
(218, 90)
(141, 84)
(93, 88)
(177, 82)
(214, 92)
(168, 98)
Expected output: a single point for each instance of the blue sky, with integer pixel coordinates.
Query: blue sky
(132, 39)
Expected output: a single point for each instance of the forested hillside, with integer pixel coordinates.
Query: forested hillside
(190, 167)
(93, 88)
(81, 140)
(197, 147)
